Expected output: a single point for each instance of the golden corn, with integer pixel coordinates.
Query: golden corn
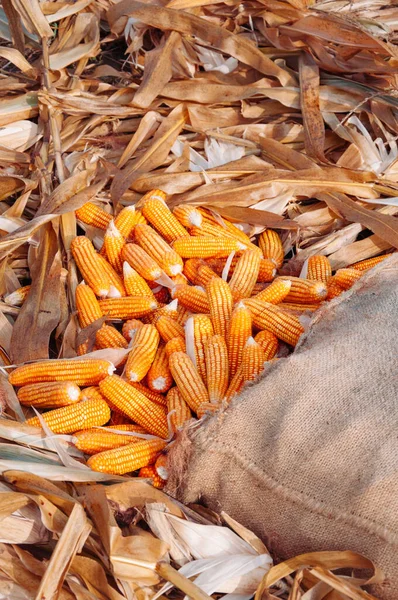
(183, 315)
(90, 266)
(150, 394)
(109, 337)
(188, 380)
(164, 255)
(116, 289)
(17, 297)
(245, 275)
(93, 215)
(135, 405)
(205, 247)
(198, 271)
(88, 371)
(221, 304)
(276, 292)
(151, 473)
(159, 377)
(169, 310)
(90, 393)
(135, 284)
(128, 307)
(92, 441)
(83, 415)
(207, 407)
(334, 289)
(178, 410)
(303, 291)
(168, 328)
(319, 268)
(114, 243)
(130, 328)
(217, 368)
(87, 306)
(193, 298)
(142, 262)
(365, 265)
(179, 279)
(346, 278)
(49, 395)
(298, 308)
(158, 214)
(268, 342)
(127, 219)
(253, 360)
(236, 385)
(142, 353)
(267, 316)
(176, 344)
(200, 328)
(271, 247)
(188, 215)
(267, 270)
(239, 332)
(127, 458)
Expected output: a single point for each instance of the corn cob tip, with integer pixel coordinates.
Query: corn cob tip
(112, 230)
(73, 391)
(127, 269)
(251, 342)
(159, 383)
(113, 292)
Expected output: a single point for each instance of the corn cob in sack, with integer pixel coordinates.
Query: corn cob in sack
(307, 458)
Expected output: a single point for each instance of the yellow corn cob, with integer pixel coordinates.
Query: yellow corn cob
(211, 218)
(178, 410)
(159, 378)
(220, 231)
(109, 337)
(93, 215)
(82, 371)
(207, 407)
(151, 395)
(198, 271)
(151, 473)
(142, 353)
(83, 415)
(141, 262)
(90, 266)
(158, 214)
(92, 441)
(201, 329)
(276, 292)
(253, 360)
(239, 234)
(267, 316)
(239, 332)
(303, 291)
(176, 344)
(127, 219)
(84, 348)
(221, 303)
(169, 310)
(17, 297)
(236, 385)
(267, 270)
(268, 342)
(334, 289)
(87, 305)
(183, 315)
(346, 278)
(298, 308)
(49, 395)
(168, 328)
(90, 393)
(188, 380)
(369, 263)
(188, 215)
(161, 466)
(319, 268)
(135, 405)
(158, 249)
(114, 243)
(271, 247)
(130, 328)
(245, 275)
(116, 289)
(135, 284)
(193, 298)
(205, 247)
(127, 458)
(129, 307)
(217, 369)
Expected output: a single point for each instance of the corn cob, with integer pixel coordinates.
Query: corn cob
(212, 218)
(158, 249)
(239, 234)
(271, 247)
(90, 393)
(83, 415)
(87, 306)
(114, 243)
(253, 360)
(116, 289)
(130, 328)
(129, 307)
(365, 265)
(179, 279)
(285, 326)
(334, 289)
(151, 473)
(220, 231)
(127, 219)
(303, 291)
(142, 354)
(178, 410)
(193, 298)
(188, 380)
(176, 344)
(135, 405)
(169, 310)
(49, 395)
(198, 271)
(183, 315)
(236, 385)
(205, 247)
(221, 304)
(207, 407)
(168, 328)
(239, 332)
(135, 284)
(267, 270)
(319, 268)
(92, 441)
(217, 369)
(93, 215)
(202, 329)
(159, 378)
(245, 275)
(268, 342)
(161, 466)
(151, 395)
(17, 297)
(90, 266)
(346, 278)
(109, 337)
(188, 215)
(298, 308)
(127, 458)
(81, 371)
(276, 292)
(158, 214)
(141, 262)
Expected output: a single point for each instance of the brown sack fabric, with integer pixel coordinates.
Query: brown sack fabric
(308, 458)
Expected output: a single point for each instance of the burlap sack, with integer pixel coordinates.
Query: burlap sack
(308, 457)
